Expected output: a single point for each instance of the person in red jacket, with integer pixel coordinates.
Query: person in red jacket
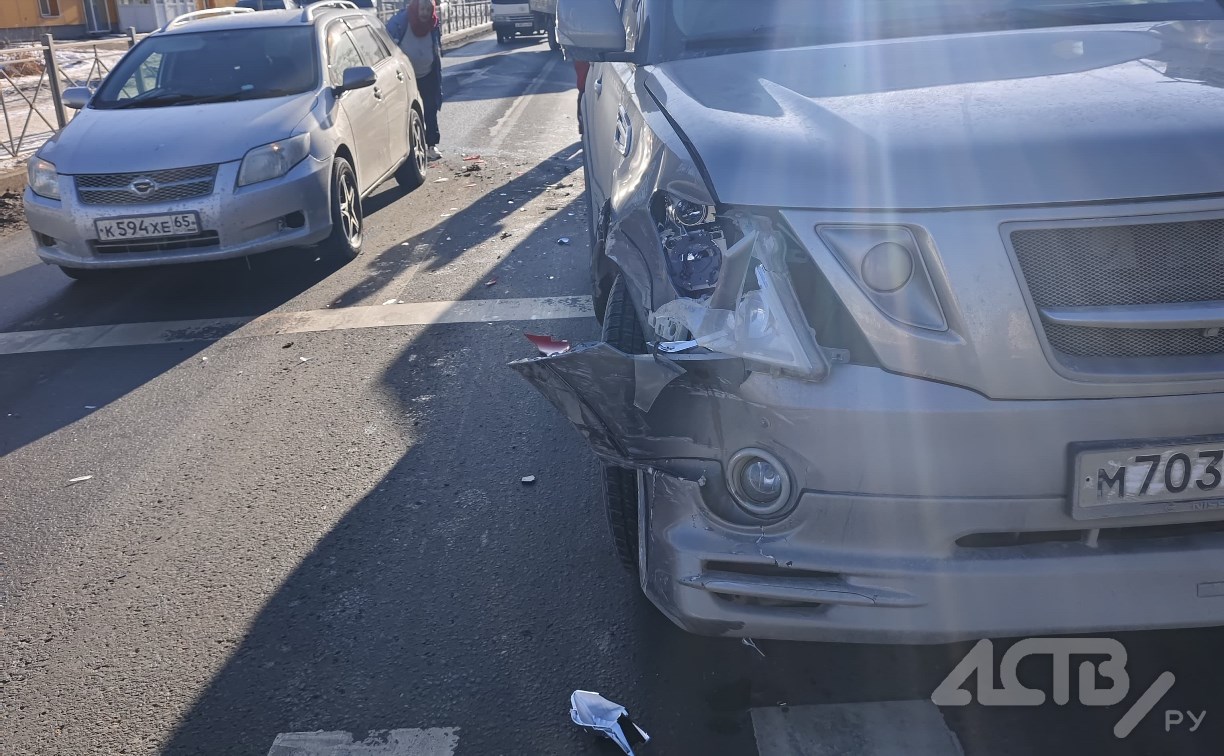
(582, 68)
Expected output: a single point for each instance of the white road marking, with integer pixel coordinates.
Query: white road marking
(437, 741)
(882, 728)
(504, 125)
(310, 321)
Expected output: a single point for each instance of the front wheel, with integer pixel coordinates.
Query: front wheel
(623, 330)
(411, 174)
(348, 223)
(553, 44)
(502, 38)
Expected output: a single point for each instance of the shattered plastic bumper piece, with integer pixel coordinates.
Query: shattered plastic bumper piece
(597, 714)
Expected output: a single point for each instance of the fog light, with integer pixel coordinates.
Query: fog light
(759, 482)
(887, 267)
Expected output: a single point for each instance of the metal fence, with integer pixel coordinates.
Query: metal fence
(32, 82)
(457, 16)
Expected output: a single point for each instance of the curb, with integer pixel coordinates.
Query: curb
(13, 180)
(456, 39)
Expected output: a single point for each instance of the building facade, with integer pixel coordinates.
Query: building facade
(26, 20)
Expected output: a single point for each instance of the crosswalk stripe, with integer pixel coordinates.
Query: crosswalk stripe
(435, 741)
(880, 728)
(309, 321)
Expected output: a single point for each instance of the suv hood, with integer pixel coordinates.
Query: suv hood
(149, 139)
(1003, 118)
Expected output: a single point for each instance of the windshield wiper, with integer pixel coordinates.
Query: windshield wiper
(167, 99)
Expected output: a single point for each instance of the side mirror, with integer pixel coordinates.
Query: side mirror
(357, 77)
(590, 29)
(76, 97)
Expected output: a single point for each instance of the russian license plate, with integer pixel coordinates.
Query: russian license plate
(147, 226)
(1175, 477)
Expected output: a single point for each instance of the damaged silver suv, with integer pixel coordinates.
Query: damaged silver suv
(912, 312)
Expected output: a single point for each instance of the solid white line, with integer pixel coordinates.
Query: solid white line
(437, 741)
(504, 125)
(880, 728)
(310, 321)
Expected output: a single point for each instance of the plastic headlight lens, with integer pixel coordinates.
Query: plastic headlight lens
(273, 160)
(44, 180)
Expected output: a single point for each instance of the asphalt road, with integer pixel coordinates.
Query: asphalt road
(305, 512)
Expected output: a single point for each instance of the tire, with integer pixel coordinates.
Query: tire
(553, 44)
(502, 38)
(412, 173)
(348, 223)
(623, 330)
(86, 275)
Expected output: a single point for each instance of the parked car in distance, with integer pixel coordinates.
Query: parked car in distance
(229, 133)
(913, 313)
(263, 5)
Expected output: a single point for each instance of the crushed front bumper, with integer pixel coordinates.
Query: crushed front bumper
(926, 513)
(245, 220)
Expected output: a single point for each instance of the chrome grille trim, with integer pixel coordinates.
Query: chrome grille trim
(1095, 285)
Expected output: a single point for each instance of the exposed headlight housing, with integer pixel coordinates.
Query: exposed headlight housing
(273, 160)
(44, 179)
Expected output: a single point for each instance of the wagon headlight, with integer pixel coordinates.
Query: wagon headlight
(273, 160)
(44, 180)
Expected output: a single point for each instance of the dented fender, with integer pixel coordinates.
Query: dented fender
(645, 411)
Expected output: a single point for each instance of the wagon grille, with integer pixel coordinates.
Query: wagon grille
(1093, 269)
(146, 188)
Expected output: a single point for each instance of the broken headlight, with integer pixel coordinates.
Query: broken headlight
(752, 311)
(692, 243)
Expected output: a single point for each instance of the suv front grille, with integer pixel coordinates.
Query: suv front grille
(163, 186)
(1138, 264)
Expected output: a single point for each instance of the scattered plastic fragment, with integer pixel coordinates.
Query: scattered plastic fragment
(81, 479)
(548, 346)
(391, 302)
(564, 240)
(491, 282)
(203, 359)
(593, 712)
(528, 480)
(442, 180)
(472, 157)
(305, 359)
(446, 215)
(505, 234)
(91, 406)
(286, 346)
(750, 643)
(468, 186)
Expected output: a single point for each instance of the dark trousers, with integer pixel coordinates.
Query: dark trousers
(431, 94)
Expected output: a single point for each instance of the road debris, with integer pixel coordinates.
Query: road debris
(506, 234)
(469, 158)
(392, 301)
(286, 346)
(597, 714)
(442, 180)
(91, 406)
(491, 282)
(750, 643)
(81, 479)
(304, 359)
(528, 480)
(563, 241)
(549, 346)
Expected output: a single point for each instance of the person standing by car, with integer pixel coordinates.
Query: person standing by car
(414, 29)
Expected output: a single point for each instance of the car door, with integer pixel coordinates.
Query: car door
(391, 91)
(362, 107)
(607, 115)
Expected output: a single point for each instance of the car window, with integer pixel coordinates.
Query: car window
(371, 47)
(189, 68)
(341, 54)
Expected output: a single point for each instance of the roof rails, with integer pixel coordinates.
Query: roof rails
(197, 15)
(309, 13)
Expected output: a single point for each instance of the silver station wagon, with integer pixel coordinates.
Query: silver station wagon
(912, 312)
(227, 133)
